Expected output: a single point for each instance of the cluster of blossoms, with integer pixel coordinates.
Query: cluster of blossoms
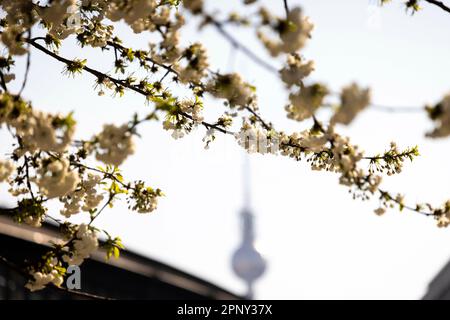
(21, 15)
(29, 211)
(48, 166)
(6, 170)
(55, 178)
(380, 211)
(168, 50)
(42, 278)
(196, 66)
(178, 125)
(63, 18)
(353, 101)
(305, 102)
(298, 142)
(84, 243)
(255, 139)
(292, 32)
(442, 215)
(195, 6)
(232, 88)
(133, 13)
(143, 199)
(440, 113)
(84, 198)
(341, 156)
(52, 267)
(296, 70)
(38, 130)
(182, 116)
(391, 162)
(329, 151)
(114, 144)
(194, 108)
(324, 149)
(41, 131)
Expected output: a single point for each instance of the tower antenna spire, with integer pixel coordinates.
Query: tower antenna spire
(248, 263)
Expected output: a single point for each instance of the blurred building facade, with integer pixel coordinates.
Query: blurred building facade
(132, 276)
(439, 287)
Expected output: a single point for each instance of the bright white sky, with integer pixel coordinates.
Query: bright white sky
(319, 243)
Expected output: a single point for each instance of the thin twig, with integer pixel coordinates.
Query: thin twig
(235, 43)
(384, 108)
(392, 109)
(3, 82)
(27, 173)
(27, 70)
(148, 59)
(259, 118)
(388, 196)
(110, 199)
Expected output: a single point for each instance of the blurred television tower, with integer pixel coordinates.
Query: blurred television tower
(248, 263)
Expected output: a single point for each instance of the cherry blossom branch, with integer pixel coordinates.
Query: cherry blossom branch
(121, 48)
(94, 72)
(387, 195)
(136, 89)
(123, 83)
(389, 160)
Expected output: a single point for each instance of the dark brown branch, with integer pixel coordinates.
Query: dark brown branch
(286, 8)
(259, 118)
(101, 75)
(118, 46)
(440, 4)
(3, 82)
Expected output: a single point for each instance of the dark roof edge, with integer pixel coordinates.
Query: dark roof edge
(128, 260)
